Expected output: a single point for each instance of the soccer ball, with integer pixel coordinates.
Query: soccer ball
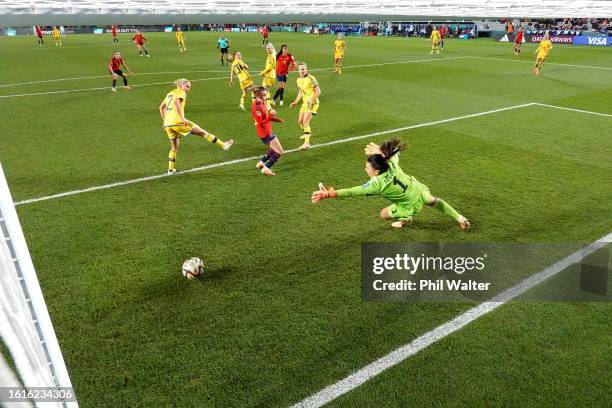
(193, 267)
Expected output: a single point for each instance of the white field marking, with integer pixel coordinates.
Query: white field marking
(230, 162)
(574, 110)
(400, 354)
(208, 79)
(106, 76)
(547, 63)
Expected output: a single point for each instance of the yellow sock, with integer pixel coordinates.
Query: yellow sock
(268, 103)
(214, 139)
(307, 135)
(171, 159)
(242, 99)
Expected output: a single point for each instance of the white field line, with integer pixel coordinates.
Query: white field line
(400, 354)
(236, 161)
(575, 110)
(547, 63)
(106, 76)
(208, 79)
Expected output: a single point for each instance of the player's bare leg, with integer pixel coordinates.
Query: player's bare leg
(198, 131)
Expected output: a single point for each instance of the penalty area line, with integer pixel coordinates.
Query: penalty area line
(236, 161)
(402, 353)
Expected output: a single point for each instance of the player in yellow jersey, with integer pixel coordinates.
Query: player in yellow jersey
(57, 36)
(172, 111)
(241, 70)
(542, 51)
(339, 46)
(309, 92)
(269, 73)
(435, 40)
(180, 38)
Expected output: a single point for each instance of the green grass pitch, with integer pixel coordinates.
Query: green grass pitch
(278, 315)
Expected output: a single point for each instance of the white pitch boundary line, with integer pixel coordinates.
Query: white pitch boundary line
(575, 110)
(400, 354)
(236, 161)
(208, 79)
(548, 63)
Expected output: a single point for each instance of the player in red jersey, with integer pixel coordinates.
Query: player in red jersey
(263, 117)
(285, 63)
(264, 35)
(518, 41)
(114, 67)
(39, 36)
(114, 34)
(139, 40)
(442, 31)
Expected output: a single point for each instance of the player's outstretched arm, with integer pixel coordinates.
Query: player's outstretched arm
(323, 193)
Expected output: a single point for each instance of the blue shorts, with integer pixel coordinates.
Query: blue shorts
(266, 140)
(281, 78)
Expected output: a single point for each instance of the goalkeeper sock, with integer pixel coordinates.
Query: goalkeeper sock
(443, 206)
(214, 139)
(171, 159)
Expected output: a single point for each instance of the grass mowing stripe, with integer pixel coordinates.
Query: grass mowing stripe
(575, 110)
(548, 63)
(209, 79)
(359, 377)
(227, 163)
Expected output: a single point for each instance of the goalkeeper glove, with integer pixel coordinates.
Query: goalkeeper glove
(323, 193)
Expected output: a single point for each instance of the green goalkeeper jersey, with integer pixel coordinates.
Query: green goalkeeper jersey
(394, 185)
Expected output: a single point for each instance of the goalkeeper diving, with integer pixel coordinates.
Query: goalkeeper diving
(388, 180)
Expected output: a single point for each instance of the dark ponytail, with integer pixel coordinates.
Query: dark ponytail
(388, 149)
(278, 54)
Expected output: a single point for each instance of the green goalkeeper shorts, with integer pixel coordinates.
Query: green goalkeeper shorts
(407, 210)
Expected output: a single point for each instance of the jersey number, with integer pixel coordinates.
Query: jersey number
(399, 183)
(169, 103)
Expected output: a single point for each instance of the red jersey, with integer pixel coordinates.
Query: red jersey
(114, 31)
(115, 63)
(262, 118)
(282, 64)
(39, 32)
(139, 39)
(519, 37)
(264, 32)
(442, 32)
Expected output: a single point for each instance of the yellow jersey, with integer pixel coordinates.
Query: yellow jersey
(435, 36)
(56, 33)
(172, 117)
(340, 46)
(179, 36)
(307, 85)
(270, 71)
(240, 70)
(545, 46)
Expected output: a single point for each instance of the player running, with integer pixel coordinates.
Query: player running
(114, 67)
(339, 46)
(435, 40)
(284, 64)
(388, 180)
(241, 70)
(223, 45)
(263, 116)
(172, 111)
(39, 36)
(140, 41)
(57, 36)
(114, 34)
(309, 92)
(542, 51)
(518, 41)
(180, 38)
(269, 72)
